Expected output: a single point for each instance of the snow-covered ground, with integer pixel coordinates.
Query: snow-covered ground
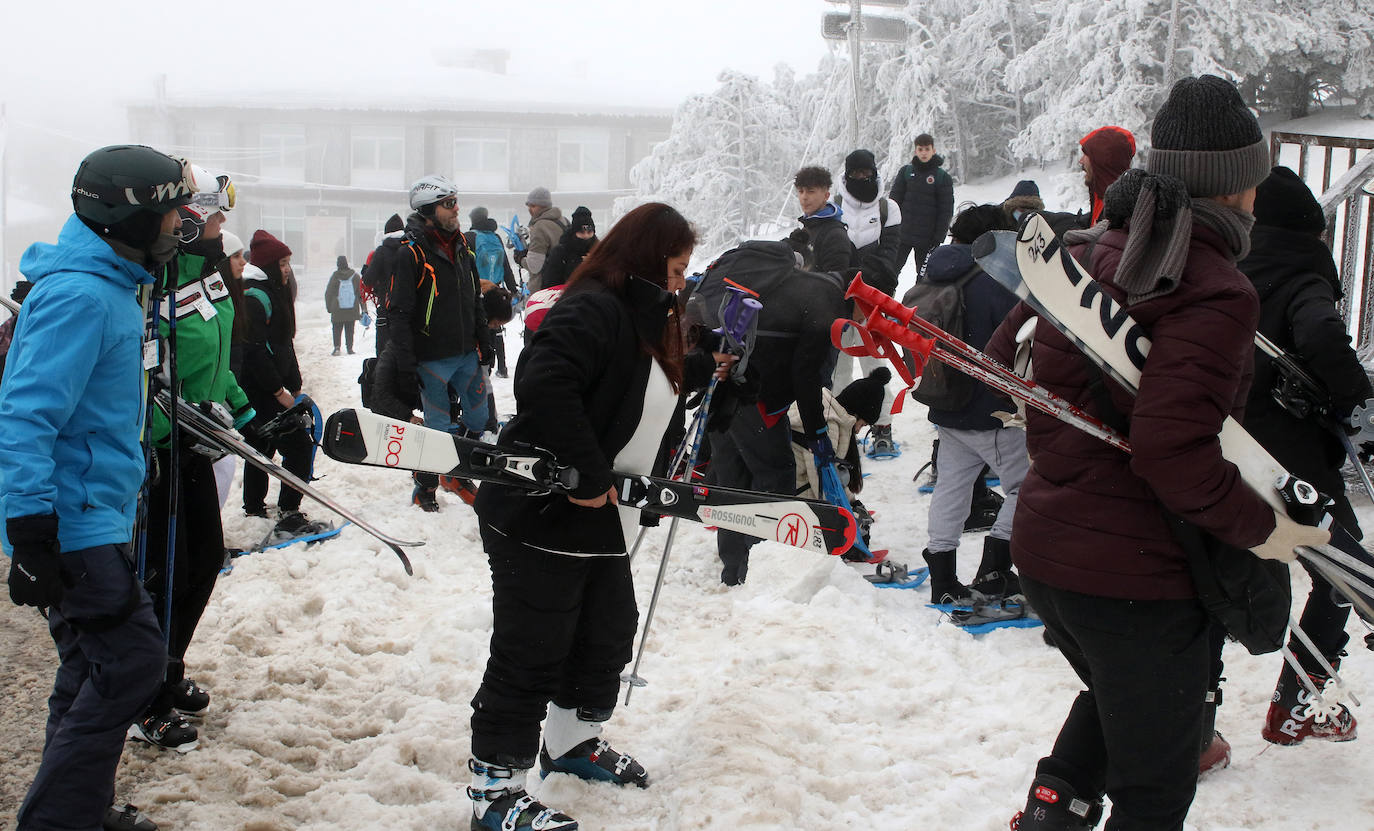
(806, 699)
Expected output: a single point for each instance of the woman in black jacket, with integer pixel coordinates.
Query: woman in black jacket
(596, 385)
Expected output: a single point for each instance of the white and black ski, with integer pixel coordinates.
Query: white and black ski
(206, 429)
(366, 438)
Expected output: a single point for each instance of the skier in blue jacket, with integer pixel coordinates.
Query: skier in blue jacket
(71, 417)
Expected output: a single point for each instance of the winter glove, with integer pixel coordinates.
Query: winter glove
(243, 417)
(36, 567)
(1287, 536)
(520, 256)
(822, 449)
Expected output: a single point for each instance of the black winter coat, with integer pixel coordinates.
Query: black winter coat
(264, 360)
(795, 366)
(986, 305)
(1298, 287)
(378, 271)
(925, 193)
(434, 301)
(579, 393)
(830, 248)
(564, 258)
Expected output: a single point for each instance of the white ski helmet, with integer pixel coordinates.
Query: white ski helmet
(429, 190)
(215, 195)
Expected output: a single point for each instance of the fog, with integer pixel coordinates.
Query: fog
(68, 70)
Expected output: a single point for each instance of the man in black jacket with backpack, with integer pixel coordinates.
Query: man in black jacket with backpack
(439, 336)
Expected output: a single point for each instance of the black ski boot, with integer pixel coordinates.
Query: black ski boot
(1054, 805)
(983, 508)
(499, 802)
(995, 577)
(944, 583)
(128, 818)
(595, 761)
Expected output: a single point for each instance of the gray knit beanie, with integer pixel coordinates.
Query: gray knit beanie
(478, 214)
(1206, 136)
(540, 196)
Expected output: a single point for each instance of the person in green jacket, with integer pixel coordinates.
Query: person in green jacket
(204, 313)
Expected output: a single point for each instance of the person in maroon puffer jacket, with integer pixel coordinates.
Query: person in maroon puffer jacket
(1091, 540)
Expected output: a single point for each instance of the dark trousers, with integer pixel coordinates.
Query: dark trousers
(199, 555)
(345, 328)
(917, 253)
(498, 345)
(382, 330)
(753, 456)
(110, 667)
(1135, 732)
(297, 456)
(562, 631)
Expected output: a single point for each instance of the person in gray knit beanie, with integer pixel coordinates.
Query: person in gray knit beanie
(1207, 156)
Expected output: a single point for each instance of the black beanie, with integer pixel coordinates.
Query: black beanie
(860, 160)
(582, 219)
(864, 398)
(1284, 201)
(1206, 136)
(393, 224)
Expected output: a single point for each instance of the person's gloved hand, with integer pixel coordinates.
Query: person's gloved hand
(822, 449)
(520, 256)
(1287, 536)
(36, 568)
(244, 416)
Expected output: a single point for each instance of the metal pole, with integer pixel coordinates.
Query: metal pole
(855, 34)
(4, 204)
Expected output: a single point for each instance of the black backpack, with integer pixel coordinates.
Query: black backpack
(761, 267)
(942, 304)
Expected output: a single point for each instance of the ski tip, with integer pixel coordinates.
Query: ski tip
(405, 561)
(985, 245)
(851, 532)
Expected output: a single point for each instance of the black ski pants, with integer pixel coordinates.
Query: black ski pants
(1135, 732)
(199, 556)
(297, 456)
(752, 455)
(112, 660)
(345, 328)
(563, 629)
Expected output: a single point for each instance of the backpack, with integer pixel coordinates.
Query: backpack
(489, 252)
(942, 304)
(761, 267)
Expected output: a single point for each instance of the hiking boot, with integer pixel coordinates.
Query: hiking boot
(995, 577)
(1292, 718)
(595, 761)
(500, 803)
(259, 511)
(188, 698)
(128, 818)
(293, 524)
(335, 353)
(426, 498)
(928, 485)
(1054, 805)
(945, 587)
(170, 732)
(464, 489)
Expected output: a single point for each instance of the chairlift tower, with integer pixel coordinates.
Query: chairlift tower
(855, 27)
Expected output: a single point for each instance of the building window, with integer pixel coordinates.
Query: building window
(286, 223)
(283, 151)
(583, 159)
(481, 160)
(378, 157)
(367, 225)
(212, 147)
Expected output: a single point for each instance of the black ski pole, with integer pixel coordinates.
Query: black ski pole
(173, 460)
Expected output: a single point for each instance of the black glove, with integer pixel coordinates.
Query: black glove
(35, 570)
(520, 256)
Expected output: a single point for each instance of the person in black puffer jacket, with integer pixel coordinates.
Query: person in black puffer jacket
(571, 249)
(378, 270)
(925, 193)
(1298, 286)
(972, 436)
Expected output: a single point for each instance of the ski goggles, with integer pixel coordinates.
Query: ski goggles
(222, 198)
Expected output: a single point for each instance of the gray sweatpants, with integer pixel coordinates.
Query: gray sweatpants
(962, 456)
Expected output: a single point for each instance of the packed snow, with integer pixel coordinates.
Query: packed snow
(806, 698)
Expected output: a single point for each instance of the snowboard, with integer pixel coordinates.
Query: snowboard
(362, 437)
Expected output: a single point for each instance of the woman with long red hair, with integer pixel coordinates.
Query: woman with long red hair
(596, 385)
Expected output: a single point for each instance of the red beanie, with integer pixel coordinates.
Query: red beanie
(266, 249)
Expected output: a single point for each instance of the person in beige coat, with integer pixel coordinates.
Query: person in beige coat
(547, 225)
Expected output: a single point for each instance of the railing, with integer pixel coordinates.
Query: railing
(1346, 170)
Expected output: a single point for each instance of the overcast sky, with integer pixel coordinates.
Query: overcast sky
(79, 56)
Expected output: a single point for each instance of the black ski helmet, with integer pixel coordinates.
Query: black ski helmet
(114, 183)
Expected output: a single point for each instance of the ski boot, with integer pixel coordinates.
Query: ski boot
(128, 818)
(995, 577)
(426, 498)
(1291, 718)
(595, 761)
(499, 802)
(945, 587)
(189, 699)
(1216, 751)
(1054, 805)
(464, 489)
(170, 732)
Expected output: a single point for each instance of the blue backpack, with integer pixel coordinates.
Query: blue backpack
(489, 254)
